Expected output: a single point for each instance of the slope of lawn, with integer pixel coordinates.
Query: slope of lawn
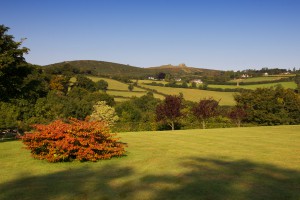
(196, 94)
(234, 163)
(289, 84)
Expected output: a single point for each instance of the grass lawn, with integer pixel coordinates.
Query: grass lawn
(234, 163)
(196, 94)
(290, 84)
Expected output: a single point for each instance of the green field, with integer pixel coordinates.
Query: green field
(290, 84)
(114, 84)
(259, 79)
(131, 94)
(234, 163)
(195, 94)
(151, 81)
(120, 90)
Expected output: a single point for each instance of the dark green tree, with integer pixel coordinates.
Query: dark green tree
(297, 81)
(102, 85)
(18, 79)
(9, 114)
(85, 83)
(270, 106)
(130, 87)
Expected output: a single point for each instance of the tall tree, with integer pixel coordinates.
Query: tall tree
(169, 110)
(13, 67)
(205, 109)
(18, 79)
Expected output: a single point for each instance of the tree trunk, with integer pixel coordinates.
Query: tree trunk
(172, 125)
(203, 124)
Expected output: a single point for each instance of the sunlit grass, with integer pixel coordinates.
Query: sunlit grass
(233, 163)
(131, 94)
(290, 84)
(196, 94)
(259, 79)
(114, 84)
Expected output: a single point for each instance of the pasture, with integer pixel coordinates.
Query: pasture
(130, 94)
(151, 81)
(234, 163)
(196, 94)
(291, 85)
(120, 90)
(260, 79)
(114, 84)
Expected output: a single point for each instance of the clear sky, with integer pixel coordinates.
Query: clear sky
(216, 34)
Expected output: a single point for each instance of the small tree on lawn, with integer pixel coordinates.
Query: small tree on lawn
(103, 112)
(130, 87)
(205, 109)
(237, 115)
(169, 110)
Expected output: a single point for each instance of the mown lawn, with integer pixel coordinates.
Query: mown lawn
(234, 163)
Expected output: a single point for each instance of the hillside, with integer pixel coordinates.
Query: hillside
(183, 69)
(102, 68)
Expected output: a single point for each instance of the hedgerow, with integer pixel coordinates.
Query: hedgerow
(77, 140)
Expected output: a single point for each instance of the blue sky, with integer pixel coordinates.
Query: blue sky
(216, 34)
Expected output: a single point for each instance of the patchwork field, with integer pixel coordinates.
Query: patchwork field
(195, 94)
(130, 94)
(234, 163)
(120, 90)
(259, 79)
(290, 84)
(114, 84)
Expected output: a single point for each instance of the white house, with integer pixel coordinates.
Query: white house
(198, 81)
(245, 76)
(151, 78)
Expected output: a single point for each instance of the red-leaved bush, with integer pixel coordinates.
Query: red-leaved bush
(77, 140)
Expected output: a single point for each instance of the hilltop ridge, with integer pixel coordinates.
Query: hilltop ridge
(100, 68)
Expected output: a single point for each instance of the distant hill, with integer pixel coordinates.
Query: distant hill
(182, 69)
(102, 68)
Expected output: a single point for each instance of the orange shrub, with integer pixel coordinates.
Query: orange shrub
(77, 140)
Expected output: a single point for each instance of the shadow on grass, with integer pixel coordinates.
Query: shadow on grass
(200, 178)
